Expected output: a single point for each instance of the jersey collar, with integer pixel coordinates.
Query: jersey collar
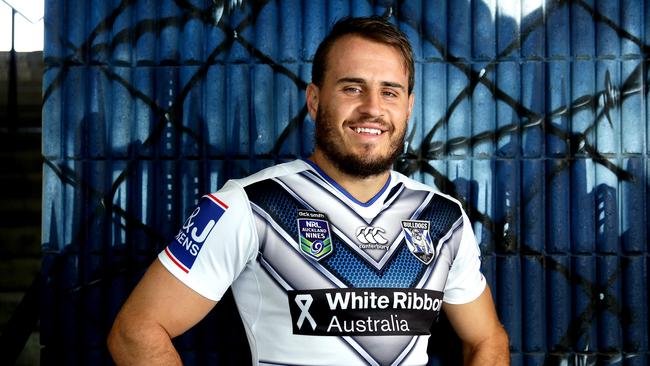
(343, 190)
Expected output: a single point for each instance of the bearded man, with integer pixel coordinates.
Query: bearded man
(325, 255)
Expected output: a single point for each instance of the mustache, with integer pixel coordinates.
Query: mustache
(374, 120)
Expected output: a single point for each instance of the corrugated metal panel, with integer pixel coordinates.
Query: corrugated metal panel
(531, 112)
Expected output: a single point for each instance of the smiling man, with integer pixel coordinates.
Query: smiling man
(334, 260)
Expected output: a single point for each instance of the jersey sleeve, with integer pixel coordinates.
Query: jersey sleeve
(214, 244)
(465, 281)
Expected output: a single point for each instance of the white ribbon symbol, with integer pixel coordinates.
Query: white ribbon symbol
(304, 302)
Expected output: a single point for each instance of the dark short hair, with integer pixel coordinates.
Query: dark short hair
(374, 28)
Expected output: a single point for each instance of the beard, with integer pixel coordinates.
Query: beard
(361, 165)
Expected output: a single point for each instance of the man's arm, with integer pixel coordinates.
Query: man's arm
(485, 342)
(159, 309)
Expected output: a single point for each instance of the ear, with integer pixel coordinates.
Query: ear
(410, 108)
(312, 100)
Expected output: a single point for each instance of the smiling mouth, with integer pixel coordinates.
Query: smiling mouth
(372, 131)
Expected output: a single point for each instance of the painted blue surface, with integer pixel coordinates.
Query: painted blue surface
(533, 114)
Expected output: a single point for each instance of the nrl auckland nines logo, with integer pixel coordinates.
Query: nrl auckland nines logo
(371, 238)
(314, 234)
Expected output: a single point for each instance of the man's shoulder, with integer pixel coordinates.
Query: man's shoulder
(413, 184)
(234, 192)
(275, 171)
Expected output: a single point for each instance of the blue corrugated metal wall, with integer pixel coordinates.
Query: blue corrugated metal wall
(532, 112)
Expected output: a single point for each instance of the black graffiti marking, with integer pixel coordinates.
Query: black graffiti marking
(412, 160)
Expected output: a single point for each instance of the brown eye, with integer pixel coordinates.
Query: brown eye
(352, 90)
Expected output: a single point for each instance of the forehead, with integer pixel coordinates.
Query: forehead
(355, 54)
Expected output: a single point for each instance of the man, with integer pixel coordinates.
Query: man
(335, 260)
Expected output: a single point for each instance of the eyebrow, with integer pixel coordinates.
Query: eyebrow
(362, 81)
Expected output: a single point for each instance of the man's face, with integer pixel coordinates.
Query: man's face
(362, 108)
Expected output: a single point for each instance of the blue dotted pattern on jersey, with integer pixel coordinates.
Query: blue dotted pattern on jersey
(279, 204)
(403, 270)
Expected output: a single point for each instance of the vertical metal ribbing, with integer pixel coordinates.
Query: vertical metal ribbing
(99, 45)
(557, 206)
(609, 300)
(533, 198)
(634, 301)
(289, 32)
(583, 269)
(510, 283)
(483, 205)
(287, 107)
(53, 115)
(533, 98)
(583, 199)
(508, 80)
(74, 20)
(121, 40)
(483, 30)
(144, 115)
(548, 148)
(74, 91)
(97, 118)
(191, 136)
(119, 105)
(145, 33)
(558, 99)
(238, 109)
(606, 194)
(361, 7)
(97, 233)
(214, 111)
(434, 29)
(533, 317)
(558, 301)
(483, 117)
(168, 25)
(608, 123)
(191, 27)
(458, 123)
(263, 108)
(54, 22)
(630, 96)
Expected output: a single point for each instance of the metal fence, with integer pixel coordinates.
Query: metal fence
(532, 113)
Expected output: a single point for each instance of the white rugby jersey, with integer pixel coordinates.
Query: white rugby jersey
(320, 278)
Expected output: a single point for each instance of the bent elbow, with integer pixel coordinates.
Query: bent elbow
(116, 339)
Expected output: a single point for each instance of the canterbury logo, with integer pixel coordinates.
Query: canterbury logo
(371, 235)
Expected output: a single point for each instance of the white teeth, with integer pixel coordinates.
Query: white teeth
(367, 130)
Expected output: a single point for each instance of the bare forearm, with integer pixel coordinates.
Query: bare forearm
(493, 351)
(142, 345)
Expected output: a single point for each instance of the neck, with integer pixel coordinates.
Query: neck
(362, 189)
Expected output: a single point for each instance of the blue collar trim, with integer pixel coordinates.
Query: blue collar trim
(342, 190)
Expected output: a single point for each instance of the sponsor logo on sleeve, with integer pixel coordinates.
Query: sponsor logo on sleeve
(314, 234)
(364, 311)
(187, 244)
(418, 239)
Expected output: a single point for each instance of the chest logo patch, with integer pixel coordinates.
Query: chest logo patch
(314, 234)
(418, 239)
(372, 238)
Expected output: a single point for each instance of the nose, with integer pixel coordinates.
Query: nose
(371, 104)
